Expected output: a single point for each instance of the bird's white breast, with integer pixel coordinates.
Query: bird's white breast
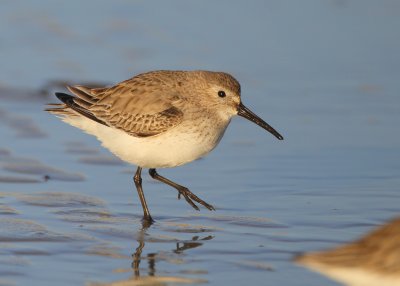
(180, 145)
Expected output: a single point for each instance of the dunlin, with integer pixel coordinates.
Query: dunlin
(159, 119)
(372, 260)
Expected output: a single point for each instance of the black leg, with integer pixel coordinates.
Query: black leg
(138, 182)
(188, 195)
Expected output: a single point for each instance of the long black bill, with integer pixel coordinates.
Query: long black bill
(248, 114)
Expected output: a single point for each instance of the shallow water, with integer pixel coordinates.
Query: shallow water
(324, 74)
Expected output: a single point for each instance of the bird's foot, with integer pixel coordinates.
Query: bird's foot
(190, 197)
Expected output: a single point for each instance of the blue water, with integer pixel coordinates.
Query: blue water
(323, 73)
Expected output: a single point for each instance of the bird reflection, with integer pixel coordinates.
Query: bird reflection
(182, 246)
(151, 258)
(372, 260)
(138, 252)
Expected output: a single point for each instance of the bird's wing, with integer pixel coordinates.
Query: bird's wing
(134, 106)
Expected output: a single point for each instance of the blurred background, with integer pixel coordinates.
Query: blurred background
(325, 74)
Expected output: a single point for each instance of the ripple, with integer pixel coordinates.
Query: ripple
(151, 280)
(15, 229)
(256, 265)
(113, 231)
(7, 210)
(107, 250)
(87, 215)
(18, 180)
(244, 221)
(35, 167)
(187, 228)
(60, 199)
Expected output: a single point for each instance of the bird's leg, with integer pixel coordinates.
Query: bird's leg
(188, 195)
(138, 183)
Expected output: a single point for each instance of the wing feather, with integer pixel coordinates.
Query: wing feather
(137, 106)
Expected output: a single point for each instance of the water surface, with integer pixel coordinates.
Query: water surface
(324, 74)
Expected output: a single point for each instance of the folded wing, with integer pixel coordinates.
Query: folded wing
(133, 106)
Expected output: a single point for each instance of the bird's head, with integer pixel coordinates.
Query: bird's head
(222, 93)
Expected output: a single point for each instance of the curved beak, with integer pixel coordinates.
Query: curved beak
(248, 114)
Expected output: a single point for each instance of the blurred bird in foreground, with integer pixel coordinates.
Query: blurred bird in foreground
(370, 261)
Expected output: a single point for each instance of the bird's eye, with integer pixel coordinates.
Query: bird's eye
(221, 93)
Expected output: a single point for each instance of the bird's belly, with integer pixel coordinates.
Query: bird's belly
(175, 147)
